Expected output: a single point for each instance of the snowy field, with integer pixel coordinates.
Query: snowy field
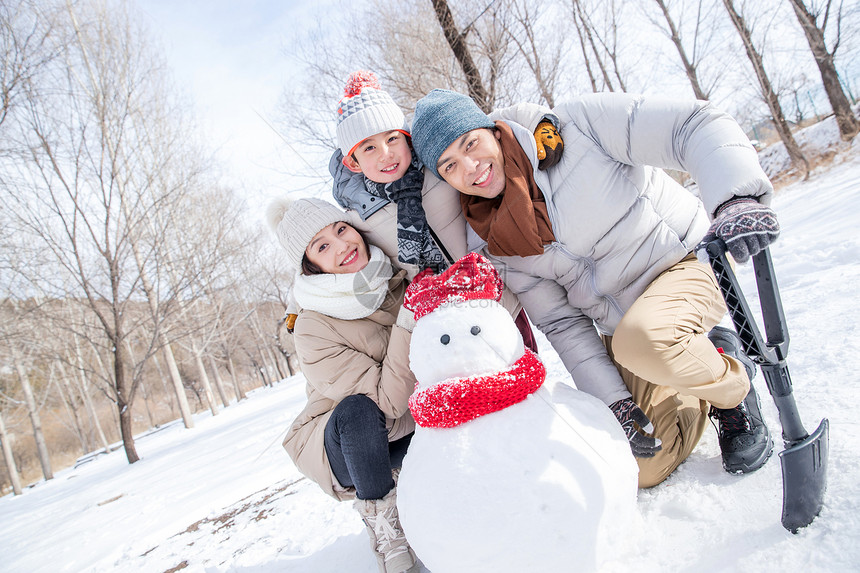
(224, 496)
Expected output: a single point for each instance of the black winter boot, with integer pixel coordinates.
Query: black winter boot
(744, 438)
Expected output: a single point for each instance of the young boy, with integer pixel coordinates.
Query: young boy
(605, 239)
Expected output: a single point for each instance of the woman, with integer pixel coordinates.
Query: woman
(353, 347)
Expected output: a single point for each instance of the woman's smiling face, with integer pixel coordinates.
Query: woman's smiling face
(338, 249)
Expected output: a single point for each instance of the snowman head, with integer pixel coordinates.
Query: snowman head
(462, 330)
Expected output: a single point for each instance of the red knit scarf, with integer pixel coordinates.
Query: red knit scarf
(458, 400)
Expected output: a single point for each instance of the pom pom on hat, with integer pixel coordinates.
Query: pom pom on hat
(359, 80)
(365, 110)
(470, 278)
(296, 221)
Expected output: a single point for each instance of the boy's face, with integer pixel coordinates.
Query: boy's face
(473, 164)
(382, 158)
(338, 249)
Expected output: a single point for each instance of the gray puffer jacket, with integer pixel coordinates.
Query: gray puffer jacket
(619, 220)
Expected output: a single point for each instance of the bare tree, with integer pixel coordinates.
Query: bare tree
(80, 190)
(769, 95)
(457, 40)
(691, 58)
(608, 35)
(589, 42)
(542, 57)
(25, 34)
(809, 18)
(33, 411)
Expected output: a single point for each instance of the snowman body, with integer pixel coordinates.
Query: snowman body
(545, 484)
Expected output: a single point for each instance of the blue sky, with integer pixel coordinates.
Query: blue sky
(229, 57)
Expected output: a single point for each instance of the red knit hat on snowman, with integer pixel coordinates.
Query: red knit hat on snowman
(472, 277)
(458, 400)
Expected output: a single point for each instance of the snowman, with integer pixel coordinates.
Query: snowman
(504, 473)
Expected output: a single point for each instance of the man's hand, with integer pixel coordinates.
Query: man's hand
(628, 413)
(549, 145)
(745, 225)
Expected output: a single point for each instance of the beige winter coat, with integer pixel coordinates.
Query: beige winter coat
(340, 358)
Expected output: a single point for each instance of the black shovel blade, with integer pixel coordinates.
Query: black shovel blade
(804, 478)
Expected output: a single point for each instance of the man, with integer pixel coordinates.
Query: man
(599, 250)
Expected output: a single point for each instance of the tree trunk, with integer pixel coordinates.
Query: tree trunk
(204, 379)
(142, 385)
(35, 419)
(457, 41)
(164, 388)
(68, 395)
(586, 27)
(848, 124)
(798, 160)
(88, 403)
(122, 385)
(689, 68)
(579, 32)
(9, 458)
(289, 365)
(219, 384)
(240, 394)
(278, 370)
(178, 386)
(123, 407)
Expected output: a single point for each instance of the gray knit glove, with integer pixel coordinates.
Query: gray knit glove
(630, 416)
(745, 225)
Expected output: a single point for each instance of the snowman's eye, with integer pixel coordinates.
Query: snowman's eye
(445, 339)
(476, 330)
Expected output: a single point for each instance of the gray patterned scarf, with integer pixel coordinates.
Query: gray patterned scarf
(415, 244)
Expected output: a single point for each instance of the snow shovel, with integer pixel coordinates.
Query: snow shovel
(804, 460)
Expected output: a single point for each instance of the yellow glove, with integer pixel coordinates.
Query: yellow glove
(549, 145)
(290, 321)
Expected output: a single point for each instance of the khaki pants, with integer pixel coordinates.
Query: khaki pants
(667, 362)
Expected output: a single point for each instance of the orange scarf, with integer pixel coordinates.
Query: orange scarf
(515, 222)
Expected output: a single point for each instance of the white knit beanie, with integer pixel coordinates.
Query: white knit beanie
(365, 110)
(295, 222)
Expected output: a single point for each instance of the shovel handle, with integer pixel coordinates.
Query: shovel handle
(770, 354)
(761, 351)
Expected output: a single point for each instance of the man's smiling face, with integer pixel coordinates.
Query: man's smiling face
(473, 164)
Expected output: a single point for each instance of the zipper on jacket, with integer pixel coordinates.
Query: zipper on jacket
(589, 262)
(439, 244)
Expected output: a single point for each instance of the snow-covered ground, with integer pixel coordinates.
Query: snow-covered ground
(224, 497)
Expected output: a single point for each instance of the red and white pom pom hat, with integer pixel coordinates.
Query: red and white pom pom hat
(364, 111)
(472, 277)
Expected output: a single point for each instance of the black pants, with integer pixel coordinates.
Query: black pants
(360, 455)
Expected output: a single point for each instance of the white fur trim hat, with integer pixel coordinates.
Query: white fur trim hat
(365, 110)
(296, 221)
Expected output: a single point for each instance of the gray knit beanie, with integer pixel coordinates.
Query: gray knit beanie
(365, 110)
(296, 221)
(440, 118)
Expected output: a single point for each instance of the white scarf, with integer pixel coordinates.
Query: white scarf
(347, 296)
